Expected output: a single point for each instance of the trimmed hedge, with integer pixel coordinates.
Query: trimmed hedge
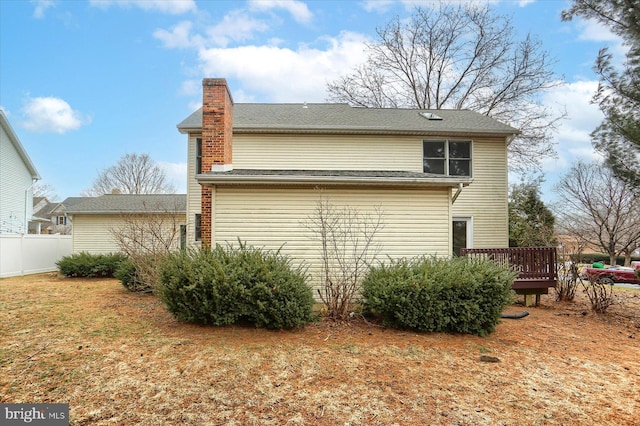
(226, 285)
(88, 265)
(457, 295)
(599, 257)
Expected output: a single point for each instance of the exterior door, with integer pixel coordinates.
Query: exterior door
(462, 234)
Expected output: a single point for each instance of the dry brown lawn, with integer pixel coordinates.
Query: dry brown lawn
(121, 359)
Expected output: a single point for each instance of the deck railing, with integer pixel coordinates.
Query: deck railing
(536, 266)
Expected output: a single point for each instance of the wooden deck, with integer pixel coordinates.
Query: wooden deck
(536, 266)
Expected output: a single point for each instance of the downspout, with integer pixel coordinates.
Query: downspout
(26, 205)
(455, 196)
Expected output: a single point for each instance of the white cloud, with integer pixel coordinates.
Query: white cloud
(591, 30)
(191, 88)
(51, 114)
(379, 6)
(172, 7)
(298, 10)
(276, 74)
(235, 26)
(574, 140)
(179, 37)
(176, 173)
(41, 7)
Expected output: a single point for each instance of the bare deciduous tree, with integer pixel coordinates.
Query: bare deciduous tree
(44, 190)
(133, 174)
(462, 57)
(599, 209)
(348, 246)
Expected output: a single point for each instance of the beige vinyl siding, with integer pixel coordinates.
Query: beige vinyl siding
(193, 189)
(485, 200)
(327, 152)
(92, 232)
(416, 221)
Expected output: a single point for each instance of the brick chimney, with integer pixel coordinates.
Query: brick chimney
(217, 134)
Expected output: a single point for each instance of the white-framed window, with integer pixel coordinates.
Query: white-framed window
(61, 220)
(198, 156)
(198, 227)
(462, 234)
(446, 157)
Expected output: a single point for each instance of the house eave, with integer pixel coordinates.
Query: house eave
(356, 131)
(210, 179)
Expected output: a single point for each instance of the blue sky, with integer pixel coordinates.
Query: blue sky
(85, 82)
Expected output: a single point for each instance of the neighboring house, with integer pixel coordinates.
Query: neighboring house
(257, 171)
(51, 217)
(95, 219)
(41, 222)
(17, 176)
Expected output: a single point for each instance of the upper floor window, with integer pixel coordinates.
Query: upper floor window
(198, 156)
(445, 157)
(61, 220)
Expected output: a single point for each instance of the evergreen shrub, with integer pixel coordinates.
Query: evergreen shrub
(457, 295)
(89, 265)
(131, 278)
(225, 285)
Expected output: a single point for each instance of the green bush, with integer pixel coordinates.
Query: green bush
(88, 265)
(131, 277)
(226, 285)
(457, 295)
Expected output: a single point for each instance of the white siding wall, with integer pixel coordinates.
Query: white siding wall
(92, 232)
(485, 200)
(15, 179)
(415, 221)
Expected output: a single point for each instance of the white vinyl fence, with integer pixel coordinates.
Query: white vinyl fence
(31, 254)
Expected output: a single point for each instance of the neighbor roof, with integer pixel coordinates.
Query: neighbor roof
(18, 146)
(131, 203)
(343, 118)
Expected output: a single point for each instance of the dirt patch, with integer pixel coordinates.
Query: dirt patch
(120, 358)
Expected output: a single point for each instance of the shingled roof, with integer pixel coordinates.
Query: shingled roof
(131, 203)
(342, 118)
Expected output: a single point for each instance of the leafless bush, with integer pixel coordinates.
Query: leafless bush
(600, 294)
(146, 238)
(568, 281)
(568, 276)
(348, 245)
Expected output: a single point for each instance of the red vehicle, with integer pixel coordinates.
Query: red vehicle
(613, 274)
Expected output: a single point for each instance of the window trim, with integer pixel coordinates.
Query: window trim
(446, 157)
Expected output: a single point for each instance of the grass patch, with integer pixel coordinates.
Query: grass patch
(122, 358)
